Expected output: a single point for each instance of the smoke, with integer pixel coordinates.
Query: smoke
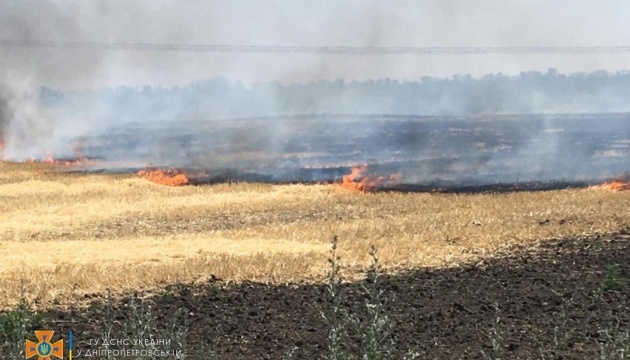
(295, 23)
(4, 116)
(160, 107)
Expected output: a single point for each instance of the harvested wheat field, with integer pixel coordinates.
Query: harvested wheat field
(465, 274)
(66, 235)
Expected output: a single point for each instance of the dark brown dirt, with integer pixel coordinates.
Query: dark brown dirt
(443, 314)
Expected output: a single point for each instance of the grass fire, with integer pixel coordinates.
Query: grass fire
(347, 180)
(169, 177)
(360, 179)
(620, 184)
(129, 235)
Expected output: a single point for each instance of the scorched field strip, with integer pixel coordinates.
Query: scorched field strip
(64, 235)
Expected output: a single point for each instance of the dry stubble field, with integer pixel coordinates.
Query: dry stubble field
(66, 235)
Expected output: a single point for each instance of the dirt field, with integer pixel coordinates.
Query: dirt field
(63, 236)
(540, 304)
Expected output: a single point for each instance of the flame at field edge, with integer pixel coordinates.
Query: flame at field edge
(49, 158)
(168, 177)
(616, 185)
(360, 179)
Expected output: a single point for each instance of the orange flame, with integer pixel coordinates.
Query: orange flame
(79, 159)
(165, 177)
(49, 157)
(616, 185)
(359, 179)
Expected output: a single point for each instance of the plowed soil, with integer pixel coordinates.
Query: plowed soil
(442, 313)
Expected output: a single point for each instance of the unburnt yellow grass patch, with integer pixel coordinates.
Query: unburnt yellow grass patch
(63, 235)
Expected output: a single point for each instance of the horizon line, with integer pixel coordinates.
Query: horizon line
(324, 50)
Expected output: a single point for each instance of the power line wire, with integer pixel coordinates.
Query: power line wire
(333, 50)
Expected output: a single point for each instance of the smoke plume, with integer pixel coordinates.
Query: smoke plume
(180, 108)
(4, 116)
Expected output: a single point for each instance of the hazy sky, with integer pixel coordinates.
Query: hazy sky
(302, 22)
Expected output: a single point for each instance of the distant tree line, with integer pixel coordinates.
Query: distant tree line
(528, 92)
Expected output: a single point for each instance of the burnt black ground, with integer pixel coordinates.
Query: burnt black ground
(442, 313)
(474, 150)
(334, 175)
